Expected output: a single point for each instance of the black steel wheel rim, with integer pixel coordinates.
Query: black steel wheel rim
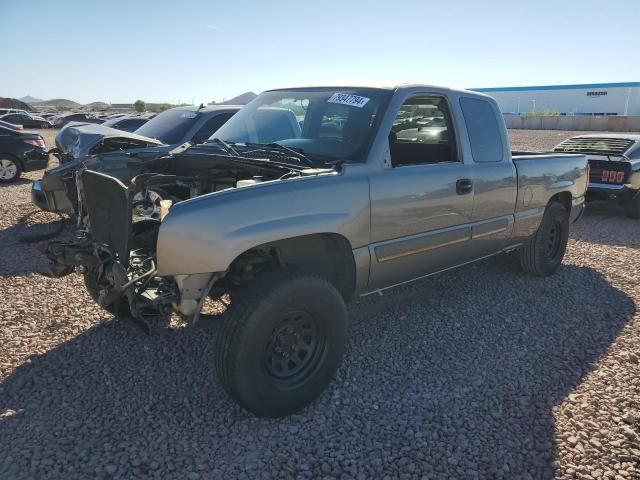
(554, 240)
(295, 348)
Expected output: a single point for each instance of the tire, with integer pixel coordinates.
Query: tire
(10, 169)
(91, 284)
(281, 343)
(543, 253)
(632, 206)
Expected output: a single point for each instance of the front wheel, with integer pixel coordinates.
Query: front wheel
(632, 206)
(282, 341)
(543, 253)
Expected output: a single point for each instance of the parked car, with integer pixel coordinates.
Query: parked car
(128, 124)
(61, 121)
(26, 120)
(77, 140)
(11, 125)
(106, 149)
(20, 151)
(614, 166)
(293, 223)
(4, 111)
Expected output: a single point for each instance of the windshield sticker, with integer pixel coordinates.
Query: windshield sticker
(189, 115)
(348, 99)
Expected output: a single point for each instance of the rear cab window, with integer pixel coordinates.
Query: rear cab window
(483, 130)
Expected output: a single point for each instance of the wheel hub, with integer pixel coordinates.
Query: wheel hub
(293, 346)
(8, 169)
(553, 240)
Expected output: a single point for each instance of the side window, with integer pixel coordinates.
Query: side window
(210, 126)
(422, 133)
(483, 130)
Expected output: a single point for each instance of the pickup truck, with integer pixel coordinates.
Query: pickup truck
(614, 167)
(294, 215)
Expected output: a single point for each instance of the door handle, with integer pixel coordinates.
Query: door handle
(464, 186)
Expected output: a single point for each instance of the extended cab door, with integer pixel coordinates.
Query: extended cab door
(422, 198)
(494, 175)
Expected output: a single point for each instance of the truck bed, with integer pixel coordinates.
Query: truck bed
(540, 177)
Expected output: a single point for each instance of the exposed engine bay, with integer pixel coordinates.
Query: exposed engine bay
(118, 222)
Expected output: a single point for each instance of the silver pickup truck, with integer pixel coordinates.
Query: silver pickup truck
(342, 192)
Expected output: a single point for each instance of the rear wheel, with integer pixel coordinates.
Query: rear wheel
(282, 340)
(543, 253)
(10, 170)
(632, 206)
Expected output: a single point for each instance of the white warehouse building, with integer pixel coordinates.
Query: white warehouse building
(584, 99)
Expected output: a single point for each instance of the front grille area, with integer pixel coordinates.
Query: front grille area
(595, 145)
(108, 206)
(603, 171)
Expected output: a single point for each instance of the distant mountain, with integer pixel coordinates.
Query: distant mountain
(241, 99)
(30, 99)
(14, 103)
(58, 102)
(98, 105)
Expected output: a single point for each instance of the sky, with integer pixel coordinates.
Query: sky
(204, 50)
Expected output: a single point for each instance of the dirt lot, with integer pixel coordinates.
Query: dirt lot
(479, 373)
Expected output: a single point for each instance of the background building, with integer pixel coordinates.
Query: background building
(585, 99)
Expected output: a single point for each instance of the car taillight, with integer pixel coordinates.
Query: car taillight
(612, 176)
(38, 142)
(586, 187)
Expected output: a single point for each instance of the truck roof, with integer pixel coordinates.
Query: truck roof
(380, 86)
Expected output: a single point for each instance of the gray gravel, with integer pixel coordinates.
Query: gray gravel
(479, 373)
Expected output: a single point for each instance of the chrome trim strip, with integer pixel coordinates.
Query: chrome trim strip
(609, 186)
(490, 232)
(380, 290)
(421, 249)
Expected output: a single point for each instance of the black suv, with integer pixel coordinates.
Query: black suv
(20, 151)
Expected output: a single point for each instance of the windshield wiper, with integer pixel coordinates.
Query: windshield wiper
(298, 155)
(227, 147)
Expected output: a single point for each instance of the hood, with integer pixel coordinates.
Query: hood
(79, 139)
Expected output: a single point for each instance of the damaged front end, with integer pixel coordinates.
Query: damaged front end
(116, 255)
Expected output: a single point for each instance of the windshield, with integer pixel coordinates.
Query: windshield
(170, 126)
(323, 123)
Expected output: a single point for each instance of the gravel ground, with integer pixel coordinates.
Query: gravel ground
(479, 373)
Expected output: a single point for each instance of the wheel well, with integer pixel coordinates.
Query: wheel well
(328, 255)
(564, 198)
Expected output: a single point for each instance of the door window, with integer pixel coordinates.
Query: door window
(422, 133)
